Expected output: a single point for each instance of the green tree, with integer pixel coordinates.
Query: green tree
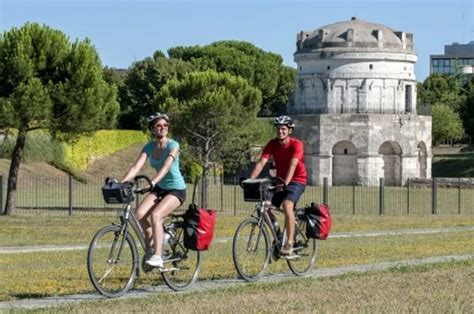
(114, 76)
(467, 113)
(447, 125)
(142, 84)
(212, 112)
(263, 70)
(439, 89)
(286, 86)
(47, 82)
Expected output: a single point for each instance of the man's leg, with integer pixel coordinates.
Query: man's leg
(288, 207)
(294, 191)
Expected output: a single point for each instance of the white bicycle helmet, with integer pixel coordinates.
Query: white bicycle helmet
(284, 120)
(157, 115)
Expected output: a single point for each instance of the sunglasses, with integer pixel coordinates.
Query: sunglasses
(161, 126)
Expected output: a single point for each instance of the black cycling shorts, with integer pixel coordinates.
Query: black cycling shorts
(179, 194)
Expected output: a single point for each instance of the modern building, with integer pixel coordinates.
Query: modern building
(457, 59)
(355, 105)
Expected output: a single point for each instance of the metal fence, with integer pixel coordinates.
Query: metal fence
(69, 196)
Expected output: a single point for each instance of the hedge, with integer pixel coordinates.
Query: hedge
(103, 143)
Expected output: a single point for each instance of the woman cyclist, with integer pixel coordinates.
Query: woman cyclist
(169, 188)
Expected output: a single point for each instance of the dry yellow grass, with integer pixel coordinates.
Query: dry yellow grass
(443, 288)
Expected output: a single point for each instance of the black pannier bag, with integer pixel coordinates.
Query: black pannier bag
(116, 192)
(198, 228)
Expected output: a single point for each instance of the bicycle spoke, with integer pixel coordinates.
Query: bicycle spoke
(106, 274)
(112, 262)
(250, 250)
(304, 251)
(182, 266)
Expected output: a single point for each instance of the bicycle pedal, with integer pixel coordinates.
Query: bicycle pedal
(165, 270)
(292, 257)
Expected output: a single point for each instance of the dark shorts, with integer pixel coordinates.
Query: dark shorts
(292, 193)
(179, 194)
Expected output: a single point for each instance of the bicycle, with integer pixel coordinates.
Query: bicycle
(113, 259)
(257, 241)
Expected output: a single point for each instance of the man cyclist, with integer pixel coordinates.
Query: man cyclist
(288, 156)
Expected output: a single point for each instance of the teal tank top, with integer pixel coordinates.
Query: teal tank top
(173, 180)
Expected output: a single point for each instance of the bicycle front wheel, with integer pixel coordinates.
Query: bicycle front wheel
(250, 249)
(181, 265)
(112, 261)
(304, 251)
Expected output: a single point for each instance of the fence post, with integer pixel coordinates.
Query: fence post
(353, 197)
(434, 197)
(459, 195)
(222, 192)
(381, 196)
(235, 199)
(70, 195)
(408, 196)
(1, 195)
(325, 191)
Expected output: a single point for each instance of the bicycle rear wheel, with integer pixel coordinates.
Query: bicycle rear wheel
(112, 262)
(304, 250)
(250, 249)
(181, 265)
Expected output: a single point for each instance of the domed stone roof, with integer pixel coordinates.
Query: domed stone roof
(357, 35)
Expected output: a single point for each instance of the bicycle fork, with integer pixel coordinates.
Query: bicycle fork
(252, 235)
(121, 237)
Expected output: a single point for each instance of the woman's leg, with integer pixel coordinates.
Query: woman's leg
(142, 213)
(158, 213)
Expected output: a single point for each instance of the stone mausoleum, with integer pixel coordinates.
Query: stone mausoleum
(355, 105)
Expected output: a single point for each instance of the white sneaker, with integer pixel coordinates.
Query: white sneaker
(155, 261)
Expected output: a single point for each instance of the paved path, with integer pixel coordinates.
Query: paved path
(335, 235)
(225, 283)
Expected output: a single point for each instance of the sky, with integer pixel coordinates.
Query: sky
(126, 31)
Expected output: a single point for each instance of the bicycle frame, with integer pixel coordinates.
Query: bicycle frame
(127, 218)
(254, 246)
(264, 218)
(114, 271)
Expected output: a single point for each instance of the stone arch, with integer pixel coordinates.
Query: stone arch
(422, 157)
(392, 162)
(344, 163)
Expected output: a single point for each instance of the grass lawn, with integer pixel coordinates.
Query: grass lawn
(441, 288)
(64, 272)
(49, 229)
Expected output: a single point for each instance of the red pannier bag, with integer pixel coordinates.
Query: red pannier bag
(319, 221)
(198, 228)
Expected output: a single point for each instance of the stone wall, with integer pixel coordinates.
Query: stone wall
(365, 147)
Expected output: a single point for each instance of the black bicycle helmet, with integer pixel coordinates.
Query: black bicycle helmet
(157, 115)
(284, 120)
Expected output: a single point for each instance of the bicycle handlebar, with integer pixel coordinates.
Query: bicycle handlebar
(275, 182)
(145, 189)
(278, 182)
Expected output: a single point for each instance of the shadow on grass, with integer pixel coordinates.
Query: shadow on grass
(31, 295)
(454, 167)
